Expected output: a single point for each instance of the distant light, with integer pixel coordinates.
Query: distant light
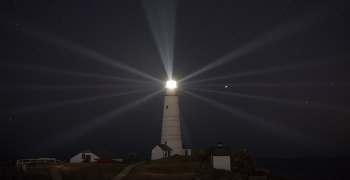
(171, 84)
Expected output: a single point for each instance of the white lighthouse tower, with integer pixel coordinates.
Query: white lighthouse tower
(171, 131)
(171, 141)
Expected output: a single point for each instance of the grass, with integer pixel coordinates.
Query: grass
(169, 168)
(77, 171)
(41, 170)
(90, 171)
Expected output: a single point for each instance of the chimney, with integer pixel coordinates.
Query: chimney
(219, 144)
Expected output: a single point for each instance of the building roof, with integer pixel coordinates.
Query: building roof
(164, 147)
(184, 146)
(220, 151)
(101, 153)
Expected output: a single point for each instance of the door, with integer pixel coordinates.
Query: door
(87, 158)
(186, 152)
(168, 153)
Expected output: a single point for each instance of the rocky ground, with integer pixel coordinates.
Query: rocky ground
(243, 167)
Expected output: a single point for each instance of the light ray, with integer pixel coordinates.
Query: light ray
(64, 103)
(56, 87)
(287, 101)
(185, 133)
(286, 67)
(57, 141)
(63, 43)
(67, 72)
(300, 84)
(277, 34)
(161, 19)
(281, 130)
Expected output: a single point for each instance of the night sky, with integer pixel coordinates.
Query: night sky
(271, 77)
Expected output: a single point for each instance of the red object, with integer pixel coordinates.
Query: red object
(107, 160)
(104, 160)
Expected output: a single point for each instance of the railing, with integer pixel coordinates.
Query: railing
(45, 160)
(22, 165)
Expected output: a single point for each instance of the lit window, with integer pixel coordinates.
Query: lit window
(171, 84)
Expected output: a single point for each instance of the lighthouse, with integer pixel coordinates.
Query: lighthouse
(171, 141)
(171, 131)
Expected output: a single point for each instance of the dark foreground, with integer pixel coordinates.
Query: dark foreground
(194, 167)
(307, 168)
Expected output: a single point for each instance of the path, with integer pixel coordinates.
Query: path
(55, 174)
(125, 171)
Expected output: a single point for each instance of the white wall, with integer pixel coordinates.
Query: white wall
(171, 131)
(221, 162)
(188, 151)
(78, 158)
(157, 153)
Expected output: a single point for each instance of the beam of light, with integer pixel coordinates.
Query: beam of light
(67, 72)
(287, 132)
(277, 34)
(185, 133)
(40, 107)
(58, 141)
(286, 67)
(287, 101)
(329, 84)
(161, 19)
(56, 87)
(63, 43)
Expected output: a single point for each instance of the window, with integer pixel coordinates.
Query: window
(165, 142)
(177, 102)
(83, 156)
(167, 107)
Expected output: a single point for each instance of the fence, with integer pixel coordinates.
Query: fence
(45, 160)
(22, 165)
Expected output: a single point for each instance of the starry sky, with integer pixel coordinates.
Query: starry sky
(271, 77)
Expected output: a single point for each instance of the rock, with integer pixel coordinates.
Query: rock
(237, 176)
(203, 154)
(243, 167)
(262, 172)
(253, 178)
(242, 162)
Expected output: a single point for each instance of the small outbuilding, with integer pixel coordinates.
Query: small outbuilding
(220, 157)
(161, 151)
(186, 150)
(90, 156)
(164, 151)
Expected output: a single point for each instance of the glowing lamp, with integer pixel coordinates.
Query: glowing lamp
(171, 84)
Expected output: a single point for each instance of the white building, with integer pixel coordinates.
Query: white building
(90, 156)
(161, 151)
(171, 130)
(220, 157)
(164, 151)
